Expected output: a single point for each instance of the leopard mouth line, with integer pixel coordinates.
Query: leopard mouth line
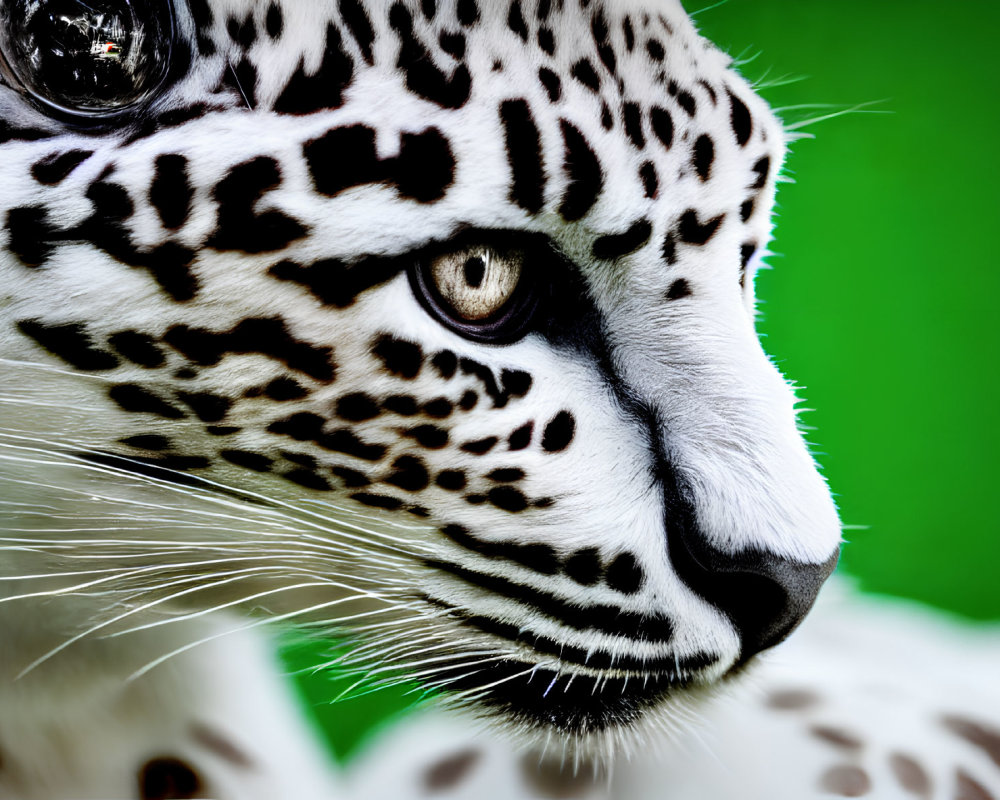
(593, 660)
(572, 702)
(610, 690)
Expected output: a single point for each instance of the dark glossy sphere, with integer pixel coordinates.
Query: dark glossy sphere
(87, 57)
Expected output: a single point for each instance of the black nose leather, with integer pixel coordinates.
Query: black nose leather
(765, 595)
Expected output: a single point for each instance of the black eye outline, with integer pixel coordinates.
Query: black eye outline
(514, 320)
(35, 93)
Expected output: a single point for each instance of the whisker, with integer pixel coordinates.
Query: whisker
(83, 634)
(343, 527)
(254, 624)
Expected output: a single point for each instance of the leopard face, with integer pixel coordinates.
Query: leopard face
(447, 307)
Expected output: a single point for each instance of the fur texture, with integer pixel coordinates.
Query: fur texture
(234, 376)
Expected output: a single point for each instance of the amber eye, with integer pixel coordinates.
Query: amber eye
(480, 291)
(86, 58)
(476, 283)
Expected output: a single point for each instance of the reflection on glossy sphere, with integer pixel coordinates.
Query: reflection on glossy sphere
(89, 58)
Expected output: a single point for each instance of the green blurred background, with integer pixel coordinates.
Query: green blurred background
(881, 302)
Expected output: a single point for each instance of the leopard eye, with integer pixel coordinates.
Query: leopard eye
(482, 292)
(476, 283)
(86, 58)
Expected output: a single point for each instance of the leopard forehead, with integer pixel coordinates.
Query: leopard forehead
(223, 281)
(612, 120)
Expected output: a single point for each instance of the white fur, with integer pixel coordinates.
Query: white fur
(107, 552)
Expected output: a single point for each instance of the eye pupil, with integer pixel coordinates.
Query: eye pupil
(483, 291)
(475, 271)
(87, 56)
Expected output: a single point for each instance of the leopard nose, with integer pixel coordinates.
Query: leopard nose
(765, 595)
